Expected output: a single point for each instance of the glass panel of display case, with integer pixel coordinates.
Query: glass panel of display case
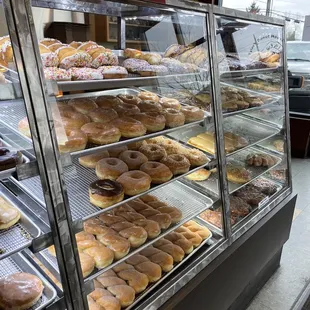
(253, 105)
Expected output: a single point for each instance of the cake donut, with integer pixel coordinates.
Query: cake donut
(135, 182)
(129, 127)
(83, 105)
(130, 99)
(177, 163)
(153, 152)
(174, 118)
(153, 121)
(192, 114)
(150, 106)
(101, 134)
(110, 168)
(85, 74)
(126, 109)
(116, 151)
(195, 157)
(133, 159)
(170, 103)
(107, 101)
(105, 193)
(134, 146)
(113, 72)
(102, 115)
(56, 74)
(159, 172)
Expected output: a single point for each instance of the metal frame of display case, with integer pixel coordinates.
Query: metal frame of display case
(49, 164)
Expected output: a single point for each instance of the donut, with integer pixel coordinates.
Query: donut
(133, 65)
(129, 127)
(90, 161)
(147, 95)
(61, 106)
(130, 99)
(102, 115)
(177, 163)
(135, 182)
(156, 140)
(116, 151)
(72, 119)
(56, 74)
(174, 118)
(113, 72)
(125, 109)
(171, 146)
(150, 106)
(133, 159)
(85, 74)
(23, 127)
(105, 193)
(101, 134)
(153, 152)
(83, 105)
(49, 59)
(107, 101)
(192, 114)
(159, 172)
(195, 157)
(132, 53)
(70, 140)
(110, 168)
(134, 146)
(9, 159)
(153, 121)
(170, 103)
(153, 70)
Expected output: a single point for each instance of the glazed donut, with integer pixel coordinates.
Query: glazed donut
(153, 121)
(107, 101)
(134, 146)
(105, 193)
(117, 150)
(23, 127)
(83, 105)
(147, 95)
(174, 118)
(150, 106)
(170, 103)
(73, 119)
(102, 115)
(135, 182)
(125, 109)
(129, 127)
(130, 99)
(70, 140)
(110, 168)
(101, 134)
(192, 114)
(195, 157)
(177, 163)
(159, 172)
(62, 106)
(133, 159)
(90, 161)
(153, 152)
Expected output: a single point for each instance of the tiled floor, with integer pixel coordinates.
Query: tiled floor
(285, 286)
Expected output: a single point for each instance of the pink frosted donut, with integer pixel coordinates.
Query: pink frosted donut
(49, 59)
(56, 74)
(85, 74)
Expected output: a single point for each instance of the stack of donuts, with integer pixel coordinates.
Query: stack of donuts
(107, 119)
(122, 171)
(118, 287)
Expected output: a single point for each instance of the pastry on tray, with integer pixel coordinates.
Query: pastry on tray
(238, 174)
(260, 160)
(251, 195)
(9, 215)
(279, 145)
(199, 175)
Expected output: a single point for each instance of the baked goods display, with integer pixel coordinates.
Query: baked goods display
(261, 160)
(238, 174)
(199, 175)
(9, 215)
(206, 142)
(20, 291)
(119, 286)
(271, 59)
(264, 86)
(9, 158)
(279, 145)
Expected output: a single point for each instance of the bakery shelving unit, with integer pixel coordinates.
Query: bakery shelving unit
(51, 190)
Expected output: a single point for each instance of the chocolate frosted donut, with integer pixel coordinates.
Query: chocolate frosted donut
(9, 159)
(105, 193)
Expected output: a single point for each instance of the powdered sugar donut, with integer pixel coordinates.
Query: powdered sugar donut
(56, 74)
(85, 74)
(113, 72)
(49, 59)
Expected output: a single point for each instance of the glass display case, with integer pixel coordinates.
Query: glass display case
(134, 163)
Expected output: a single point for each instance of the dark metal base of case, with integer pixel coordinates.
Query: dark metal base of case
(239, 275)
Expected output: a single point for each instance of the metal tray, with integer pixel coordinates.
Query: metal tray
(175, 194)
(268, 144)
(254, 131)
(20, 235)
(152, 286)
(9, 172)
(210, 186)
(18, 263)
(241, 73)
